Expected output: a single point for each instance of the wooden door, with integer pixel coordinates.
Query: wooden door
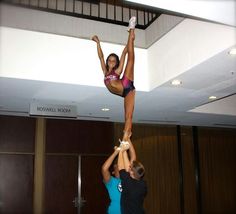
(73, 184)
(61, 184)
(93, 191)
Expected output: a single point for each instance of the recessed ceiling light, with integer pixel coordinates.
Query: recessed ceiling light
(232, 51)
(176, 82)
(212, 97)
(105, 109)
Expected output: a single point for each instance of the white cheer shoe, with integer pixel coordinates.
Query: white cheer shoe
(132, 23)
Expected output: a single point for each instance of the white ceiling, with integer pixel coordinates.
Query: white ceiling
(220, 11)
(208, 71)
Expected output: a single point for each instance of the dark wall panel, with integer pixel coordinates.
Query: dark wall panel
(16, 183)
(156, 148)
(189, 182)
(68, 136)
(17, 134)
(217, 148)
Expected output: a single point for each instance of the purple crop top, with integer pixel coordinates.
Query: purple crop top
(111, 76)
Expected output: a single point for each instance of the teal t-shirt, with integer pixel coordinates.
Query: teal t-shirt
(114, 190)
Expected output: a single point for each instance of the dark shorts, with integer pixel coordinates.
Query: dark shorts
(128, 86)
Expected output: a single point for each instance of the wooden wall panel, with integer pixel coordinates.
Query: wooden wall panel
(156, 148)
(189, 182)
(69, 136)
(217, 148)
(17, 134)
(16, 183)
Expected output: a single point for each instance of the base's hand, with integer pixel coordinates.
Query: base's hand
(95, 38)
(124, 145)
(116, 148)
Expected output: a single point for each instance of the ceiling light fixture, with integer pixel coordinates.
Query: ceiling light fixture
(212, 97)
(105, 109)
(176, 82)
(232, 51)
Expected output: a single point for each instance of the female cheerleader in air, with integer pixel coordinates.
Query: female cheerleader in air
(112, 69)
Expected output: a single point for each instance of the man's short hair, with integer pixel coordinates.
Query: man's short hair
(138, 169)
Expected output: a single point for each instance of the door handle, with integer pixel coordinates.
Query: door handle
(79, 202)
